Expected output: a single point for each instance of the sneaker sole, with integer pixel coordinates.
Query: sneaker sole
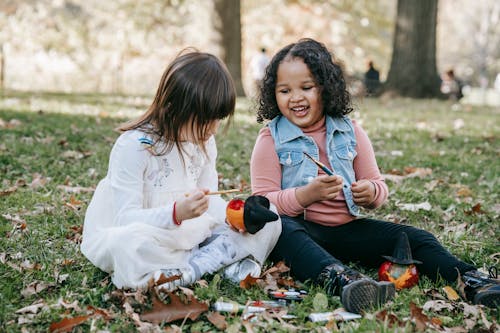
(361, 295)
(386, 291)
(487, 298)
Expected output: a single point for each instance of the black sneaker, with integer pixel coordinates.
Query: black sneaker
(357, 292)
(482, 288)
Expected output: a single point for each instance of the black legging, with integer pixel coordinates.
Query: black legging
(308, 247)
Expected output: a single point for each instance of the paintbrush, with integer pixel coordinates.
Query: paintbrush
(219, 192)
(224, 191)
(319, 164)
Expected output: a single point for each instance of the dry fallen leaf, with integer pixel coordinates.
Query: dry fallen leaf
(217, 320)
(33, 308)
(163, 279)
(67, 324)
(476, 209)
(451, 294)
(34, 288)
(248, 282)
(464, 191)
(8, 191)
(420, 319)
(175, 310)
(437, 306)
(391, 319)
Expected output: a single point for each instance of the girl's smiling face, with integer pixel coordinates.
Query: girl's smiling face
(297, 94)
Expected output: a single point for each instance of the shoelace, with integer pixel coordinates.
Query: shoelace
(493, 272)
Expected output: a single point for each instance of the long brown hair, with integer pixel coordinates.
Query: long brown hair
(195, 89)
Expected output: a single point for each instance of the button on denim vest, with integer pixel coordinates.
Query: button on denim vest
(297, 170)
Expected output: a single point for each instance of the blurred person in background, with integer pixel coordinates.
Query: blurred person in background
(258, 68)
(372, 79)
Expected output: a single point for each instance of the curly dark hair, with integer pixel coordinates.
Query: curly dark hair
(326, 71)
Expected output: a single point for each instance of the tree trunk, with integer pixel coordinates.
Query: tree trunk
(2, 67)
(228, 25)
(413, 71)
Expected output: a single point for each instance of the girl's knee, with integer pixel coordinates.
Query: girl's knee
(421, 237)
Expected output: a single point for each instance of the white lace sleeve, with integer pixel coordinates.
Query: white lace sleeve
(128, 162)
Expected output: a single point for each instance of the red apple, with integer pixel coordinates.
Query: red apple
(403, 276)
(234, 213)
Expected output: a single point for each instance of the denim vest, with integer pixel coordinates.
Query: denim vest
(297, 170)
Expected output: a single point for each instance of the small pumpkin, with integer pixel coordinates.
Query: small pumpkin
(400, 268)
(234, 213)
(251, 214)
(403, 276)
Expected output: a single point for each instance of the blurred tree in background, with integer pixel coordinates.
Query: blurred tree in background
(413, 71)
(122, 46)
(228, 25)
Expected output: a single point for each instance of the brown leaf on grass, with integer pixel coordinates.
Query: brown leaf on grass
(175, 310)
(163, 279)
(390, 318)
(476, 209)
(38, 181)
(463, 192)
(75, 233)
(10, 124)
(101, 312)
(438, 306)
(248, 325)
(460, 285)
(217, 320)
(248, 282)
(279, 268)
(33, 308)
(268, 283)
(29, 266)
(287, 282)
(397, 176)
(417, 172)
(72, 154)
(67, 324)
(451, 294)
(434, 294)
(8, 191)
(419, 318)
(73, 203)
(34, 288)
(272, 278)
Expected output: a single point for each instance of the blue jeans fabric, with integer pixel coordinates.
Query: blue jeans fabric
(307, 247)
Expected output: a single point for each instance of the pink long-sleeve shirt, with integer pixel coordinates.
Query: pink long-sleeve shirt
(265, 172)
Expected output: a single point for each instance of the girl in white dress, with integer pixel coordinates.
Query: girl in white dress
(151, 217)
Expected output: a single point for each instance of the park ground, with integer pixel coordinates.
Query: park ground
(441, 164)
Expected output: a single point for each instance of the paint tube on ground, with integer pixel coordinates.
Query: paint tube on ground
(337, 315)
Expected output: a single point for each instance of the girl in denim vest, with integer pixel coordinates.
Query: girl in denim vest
(304, 97)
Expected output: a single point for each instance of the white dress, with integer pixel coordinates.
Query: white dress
(128, 229)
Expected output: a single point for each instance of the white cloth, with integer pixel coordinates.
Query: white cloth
(128, 229)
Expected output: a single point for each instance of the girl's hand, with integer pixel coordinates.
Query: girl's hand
(193, 205)
(321, 188)
(363, 192)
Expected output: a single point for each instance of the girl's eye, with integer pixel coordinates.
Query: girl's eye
(283, 91)
(308, 87)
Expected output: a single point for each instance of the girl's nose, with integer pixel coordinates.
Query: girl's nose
(296, 96)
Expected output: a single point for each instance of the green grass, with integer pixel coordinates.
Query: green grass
(63, 139)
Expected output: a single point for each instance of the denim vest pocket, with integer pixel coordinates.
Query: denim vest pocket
(290, 158)
(293, 170)
(346, 152)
